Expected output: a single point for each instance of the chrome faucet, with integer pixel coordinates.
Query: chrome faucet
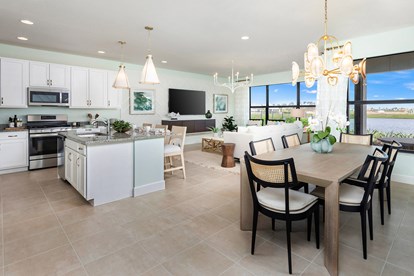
(105, 121)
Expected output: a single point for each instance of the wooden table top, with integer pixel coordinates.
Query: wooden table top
(321, 168)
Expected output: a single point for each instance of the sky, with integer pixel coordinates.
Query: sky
(394, 85)
(282, 94)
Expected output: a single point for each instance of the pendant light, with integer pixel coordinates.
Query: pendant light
(149, 75)
(121, 80)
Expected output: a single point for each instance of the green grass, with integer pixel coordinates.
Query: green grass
(392, 116)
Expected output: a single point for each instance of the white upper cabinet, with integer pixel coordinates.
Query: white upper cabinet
(98, 88)
(114, 95)
(89, 88)
(52, 75)
(14, 80)
(80, 87)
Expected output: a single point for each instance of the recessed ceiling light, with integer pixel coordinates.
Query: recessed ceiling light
(27, 22)
(101, 52)
(245, 37)
(22, 38)
(163, 61)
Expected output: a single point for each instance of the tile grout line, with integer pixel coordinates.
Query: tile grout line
(394, 239)
(61, 226)
(2, 230)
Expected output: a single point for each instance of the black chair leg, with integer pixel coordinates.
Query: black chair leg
(273, 224)
(288, 229)
(309, 227)
(255, 216)
(364, 232)
(388, 190)
(371, 231)
(381, 199)
(317, 226)
(306, 188)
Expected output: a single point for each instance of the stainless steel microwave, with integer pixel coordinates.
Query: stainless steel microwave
(48, 96)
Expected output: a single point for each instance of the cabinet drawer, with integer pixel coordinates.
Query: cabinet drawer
(13, 135)
(76, 146)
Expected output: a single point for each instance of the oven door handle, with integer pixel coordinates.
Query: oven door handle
(44, 135)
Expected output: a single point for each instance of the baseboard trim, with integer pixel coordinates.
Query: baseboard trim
(149, 188)
(406, 179)
(13, 170)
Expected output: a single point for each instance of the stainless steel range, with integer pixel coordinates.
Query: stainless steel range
(46, 147)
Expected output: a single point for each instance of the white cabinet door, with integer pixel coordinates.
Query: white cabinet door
(81, 174)
(13, 153)
(114, 95)
(14, 80)
(39, 74)
(69, 164)
(98, 88)
(79, 87)
(59, 76)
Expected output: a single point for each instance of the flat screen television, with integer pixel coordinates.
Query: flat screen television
(187, 102)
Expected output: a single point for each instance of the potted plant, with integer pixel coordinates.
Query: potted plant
(229, 124)
(215, 131)
(121, 126)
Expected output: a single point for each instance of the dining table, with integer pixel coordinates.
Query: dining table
(325, 170)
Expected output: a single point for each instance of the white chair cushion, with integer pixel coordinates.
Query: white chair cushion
(350, 195)
(169, 149)
(274, 200)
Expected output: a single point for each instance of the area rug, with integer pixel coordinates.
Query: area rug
(209, 160)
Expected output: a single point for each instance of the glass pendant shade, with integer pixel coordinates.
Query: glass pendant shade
(317, 66)
(347, 65)
(295, 73)
(149, 75)
(121, 80)
(309, 81)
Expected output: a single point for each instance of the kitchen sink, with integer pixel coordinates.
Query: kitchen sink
(86, 135)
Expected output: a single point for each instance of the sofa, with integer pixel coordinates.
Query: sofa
(244, 135)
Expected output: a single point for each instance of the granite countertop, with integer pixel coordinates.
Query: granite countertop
(109, 139)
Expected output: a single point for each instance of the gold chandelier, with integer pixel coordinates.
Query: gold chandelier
(334, 55)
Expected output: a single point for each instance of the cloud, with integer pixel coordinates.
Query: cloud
(409, 85)
(376, 96)
(275, 90)
(401, 98)
(310, 91)
(376, 82)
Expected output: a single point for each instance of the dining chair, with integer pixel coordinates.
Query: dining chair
(175, 148)
(262, 146)
(361, 139)
(290, 141)
(355, 194)
(384, 181)
(270, 182)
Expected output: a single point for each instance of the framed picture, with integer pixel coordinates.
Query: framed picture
(220, 103)
(142, 101)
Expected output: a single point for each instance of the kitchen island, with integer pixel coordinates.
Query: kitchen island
(105, 168)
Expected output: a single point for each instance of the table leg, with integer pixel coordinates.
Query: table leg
(332, 228)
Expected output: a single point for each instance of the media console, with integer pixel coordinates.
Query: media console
(199, 125)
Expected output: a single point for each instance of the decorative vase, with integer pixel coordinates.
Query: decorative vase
(323, 146)
(208, 114)
(215, 135)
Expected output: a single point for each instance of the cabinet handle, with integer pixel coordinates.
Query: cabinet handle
(11, 136)
(51, 82)
(1, 100)
(77, 162)
(69, 156)
(80, 148)
(109, 103)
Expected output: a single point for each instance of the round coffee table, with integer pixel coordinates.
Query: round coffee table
(228, 158)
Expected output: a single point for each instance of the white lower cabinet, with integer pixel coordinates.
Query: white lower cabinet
(75, 166)
(13, 150)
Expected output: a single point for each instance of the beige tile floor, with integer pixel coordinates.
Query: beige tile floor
(191, 228)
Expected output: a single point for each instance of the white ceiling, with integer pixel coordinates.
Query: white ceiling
(194, 35)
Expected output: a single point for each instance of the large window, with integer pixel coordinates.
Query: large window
(276, 101)
(384, 106)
